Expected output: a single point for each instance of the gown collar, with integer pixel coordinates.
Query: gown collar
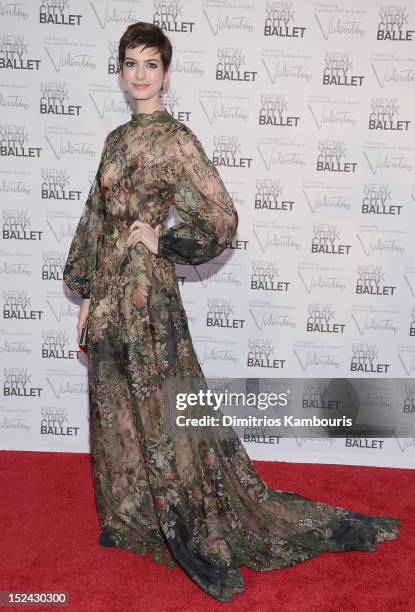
(144, 119)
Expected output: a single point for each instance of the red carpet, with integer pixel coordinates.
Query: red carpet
(50, 529)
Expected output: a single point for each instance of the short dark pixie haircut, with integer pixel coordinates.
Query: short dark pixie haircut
(149, 35)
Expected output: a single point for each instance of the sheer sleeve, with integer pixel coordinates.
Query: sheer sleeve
(81, 260)
(209, 218)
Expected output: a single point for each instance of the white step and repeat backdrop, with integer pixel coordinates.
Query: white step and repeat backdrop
(307, 109)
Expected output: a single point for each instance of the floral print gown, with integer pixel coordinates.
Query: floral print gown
(190, 496)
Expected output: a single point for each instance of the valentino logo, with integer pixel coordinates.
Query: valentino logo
(315, 358)
(320, 278)
(372, 323)
(322, 201)
(378, 244)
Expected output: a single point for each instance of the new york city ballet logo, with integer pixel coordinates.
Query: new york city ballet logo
(220, 313)
(227, 152)
(17, 225)
(55, 186)
(371, 281)
(231, 65)
(112, 59)
(321, 319)
(338, 70)
(279, 21)
(330, 157)
(17, 383)
(261, 354)
(359, 442)
(15, 55)
(412, 323)
(53, 265)
(54, 422)
(58, 12)
(365, 359)
(55, 345)
(326, 240)
(15, 143)
(315, 397)
(17, 304)
(171, 103)
(409, 399)
(54, 100)
(376, 200)
(169, 16)
(274, 111)
(269, 195)
(383, 116)
(393, 23)
(265, 276)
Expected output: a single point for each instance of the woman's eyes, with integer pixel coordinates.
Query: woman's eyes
(151, 65)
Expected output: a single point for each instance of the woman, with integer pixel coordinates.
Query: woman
(189, 495)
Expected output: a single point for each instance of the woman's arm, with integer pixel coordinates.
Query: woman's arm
(81, 260)
(210, 219)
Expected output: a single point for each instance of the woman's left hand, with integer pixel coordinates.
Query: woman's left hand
(143, 232)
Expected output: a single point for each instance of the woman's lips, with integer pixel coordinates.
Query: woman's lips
(140, 86)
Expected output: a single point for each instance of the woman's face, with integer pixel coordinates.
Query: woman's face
(143, 72)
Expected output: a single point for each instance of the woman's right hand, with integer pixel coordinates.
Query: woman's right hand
(83, 314)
